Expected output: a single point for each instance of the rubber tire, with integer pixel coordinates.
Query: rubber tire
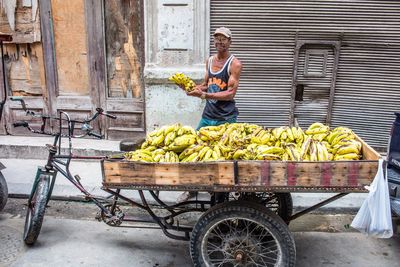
(245, 209)
(34, 217)
(3, 192)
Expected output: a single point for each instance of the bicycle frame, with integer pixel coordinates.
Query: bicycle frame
(60, 163)
(55, 163)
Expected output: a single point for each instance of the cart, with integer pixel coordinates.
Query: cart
(245, 221)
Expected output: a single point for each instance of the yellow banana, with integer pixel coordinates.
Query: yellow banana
(313, 151)
(338, 138)
(350, 156)
(290, 134)
(268, 157)
(315, 125)
(319, 130)
(347, 149)
(305, 147)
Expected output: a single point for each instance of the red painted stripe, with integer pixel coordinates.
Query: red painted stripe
(352, 178)
(291, 174)
(327, 174)
(265, 175)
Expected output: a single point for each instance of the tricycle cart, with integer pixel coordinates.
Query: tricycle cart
(240, 225)
(243, 223)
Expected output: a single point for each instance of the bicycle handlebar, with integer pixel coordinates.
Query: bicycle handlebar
(87, 128)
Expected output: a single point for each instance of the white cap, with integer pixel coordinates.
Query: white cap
(224, 31)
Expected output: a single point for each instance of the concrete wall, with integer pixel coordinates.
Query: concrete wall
(177, 40)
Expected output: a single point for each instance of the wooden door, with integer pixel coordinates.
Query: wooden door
(85, 69)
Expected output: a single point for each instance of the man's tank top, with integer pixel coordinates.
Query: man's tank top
(218, 81)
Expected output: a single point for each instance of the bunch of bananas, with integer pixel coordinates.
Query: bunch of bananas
(181, 79)
(244, 141)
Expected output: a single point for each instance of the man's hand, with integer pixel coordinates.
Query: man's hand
(196, 92)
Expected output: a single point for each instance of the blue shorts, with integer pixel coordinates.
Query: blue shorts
(206, 122)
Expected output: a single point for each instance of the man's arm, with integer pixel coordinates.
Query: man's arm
(233, 84)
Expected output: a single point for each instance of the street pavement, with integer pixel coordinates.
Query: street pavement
(69, 237)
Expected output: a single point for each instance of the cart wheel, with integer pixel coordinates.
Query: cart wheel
(3, 192)
(36, 210)
(280, 203)
(241, 233)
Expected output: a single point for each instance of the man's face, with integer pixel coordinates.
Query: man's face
(222, 43)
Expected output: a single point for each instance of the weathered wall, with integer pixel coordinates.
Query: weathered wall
(23, 57)
(177, 39)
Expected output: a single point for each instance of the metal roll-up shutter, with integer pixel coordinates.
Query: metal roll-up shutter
(367, 89)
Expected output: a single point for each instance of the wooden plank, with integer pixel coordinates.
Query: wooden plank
(46, 24)
(251, 174)
(136, 173)
(96, 54)
(70, 46)
(367, 151)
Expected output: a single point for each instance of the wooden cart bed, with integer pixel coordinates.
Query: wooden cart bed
(245, 176)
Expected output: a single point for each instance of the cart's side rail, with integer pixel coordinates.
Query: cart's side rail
(246, 175)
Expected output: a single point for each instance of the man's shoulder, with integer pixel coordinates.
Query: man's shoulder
(236, 62)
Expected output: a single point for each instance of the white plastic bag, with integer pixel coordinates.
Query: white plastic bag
(374, 217)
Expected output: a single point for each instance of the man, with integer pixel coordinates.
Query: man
(219, 87)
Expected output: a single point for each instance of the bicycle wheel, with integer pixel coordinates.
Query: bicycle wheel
(36, 209)
(3, 192)
(241, 233)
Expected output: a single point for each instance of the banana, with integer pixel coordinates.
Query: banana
(217, 150)
(185, 140)
(208, 155)
(268, 157)
(203, 151)
(284, 136)
(158, 157)
(238, 154)
(305, 147)
(169, 138)
(315, 125)
(290, 134)
(313, 151)
(347, 149)
(332, 136)
(270, 150)
(188, 130)
(319, 137)
(193, 157)
(144, 145)
(322, 152)
(158, 140)
(319, 130)
(293, 153)
(350, 156)
(277, 132)
(338, 138)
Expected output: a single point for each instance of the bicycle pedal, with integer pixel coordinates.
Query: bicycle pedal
(77, 177)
